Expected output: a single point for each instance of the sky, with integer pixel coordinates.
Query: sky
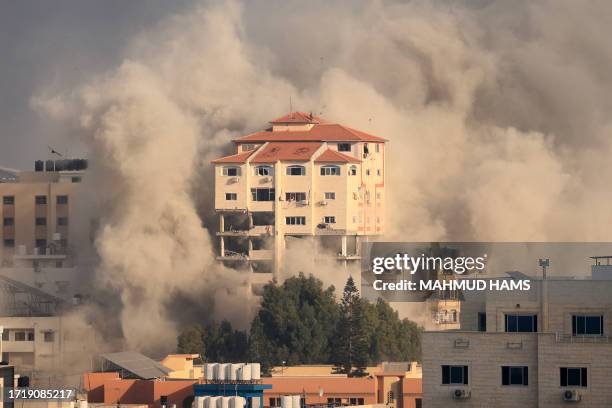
(59, 42)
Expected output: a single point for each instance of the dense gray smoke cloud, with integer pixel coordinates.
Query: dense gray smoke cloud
(497, 115)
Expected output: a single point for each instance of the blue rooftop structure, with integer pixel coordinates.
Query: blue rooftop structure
(246, 390)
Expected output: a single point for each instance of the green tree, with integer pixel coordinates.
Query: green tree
(296, 321)
(352, 351)
(191, 341)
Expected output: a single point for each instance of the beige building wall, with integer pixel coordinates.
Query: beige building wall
(19, 228)
(50, 345)
(544, 353)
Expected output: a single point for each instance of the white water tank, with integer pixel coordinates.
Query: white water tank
(198, 402)
(209, 371)
(286, 401)
(234, 372)
(237, 402)
(296, 401)
(255, 371)
(220, 371)
(245, 373)
(223, 402)
(211, 402)
(82, 403)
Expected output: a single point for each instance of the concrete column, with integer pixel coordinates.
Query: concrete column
(221, 223)
(279, 232)
(250, 246)
(250, 215)
(343, 245)
(222, 245)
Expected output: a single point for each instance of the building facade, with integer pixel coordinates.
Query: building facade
(302, 186)
(547, 346)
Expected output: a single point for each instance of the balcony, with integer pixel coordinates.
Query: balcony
(261, 255)
(18, 346)
(232, 256)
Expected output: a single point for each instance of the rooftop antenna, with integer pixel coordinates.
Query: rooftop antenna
(290, 106)
(544, 263)
(53, 151)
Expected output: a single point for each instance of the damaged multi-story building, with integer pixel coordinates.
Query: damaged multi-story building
(301, 186)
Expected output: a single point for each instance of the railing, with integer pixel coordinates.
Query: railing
(568, 338)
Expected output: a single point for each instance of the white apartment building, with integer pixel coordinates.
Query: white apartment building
(550, 346)
(302, 185)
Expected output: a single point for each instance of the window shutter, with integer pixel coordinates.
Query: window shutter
(525, 375)
(505, 375)
(583, 373)
(445, 374)
(563, 376)
(465, 375)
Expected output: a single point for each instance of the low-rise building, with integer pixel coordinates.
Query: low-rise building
(542, 347)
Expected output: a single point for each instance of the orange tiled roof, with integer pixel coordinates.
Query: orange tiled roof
(332, 156)
(235, 158)
(297, 117)
(323, 132)
(285, 151)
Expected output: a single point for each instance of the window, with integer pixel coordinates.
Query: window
(329, 219)
(295, 196)
(367, 172)
(334, 401)
(40, 200)
(231, 196)
(40, 243)
(8, 200)
(75, 179)
(8, 221)
(515, 375)
(330, 195)
(49, 337)
(9, 243)
(296, 171)
(377, 147)
(521, 323)
(573, 376)
(454, 374)
(356, 401)
(366, 149)
(378, 172)
(378, 195)
(262, 194)
(390, 397)
(418, 403)
(330, 170)
(587, 325)
(24, 336)
(482, 322)
(353, 171)
(41, 221)
(295, 220)
(344, 147)
(62, 221)
(264, 171)
(231, 171)
(275, 402)
(247, 147)
(354, 219)
(62, 199)
(5, 335)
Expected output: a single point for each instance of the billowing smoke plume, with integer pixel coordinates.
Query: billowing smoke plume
(497, 115)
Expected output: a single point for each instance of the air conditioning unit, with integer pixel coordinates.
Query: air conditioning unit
(322, 202)
(233, 179)
(571, 396)
(461, 393)
(303, 202)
